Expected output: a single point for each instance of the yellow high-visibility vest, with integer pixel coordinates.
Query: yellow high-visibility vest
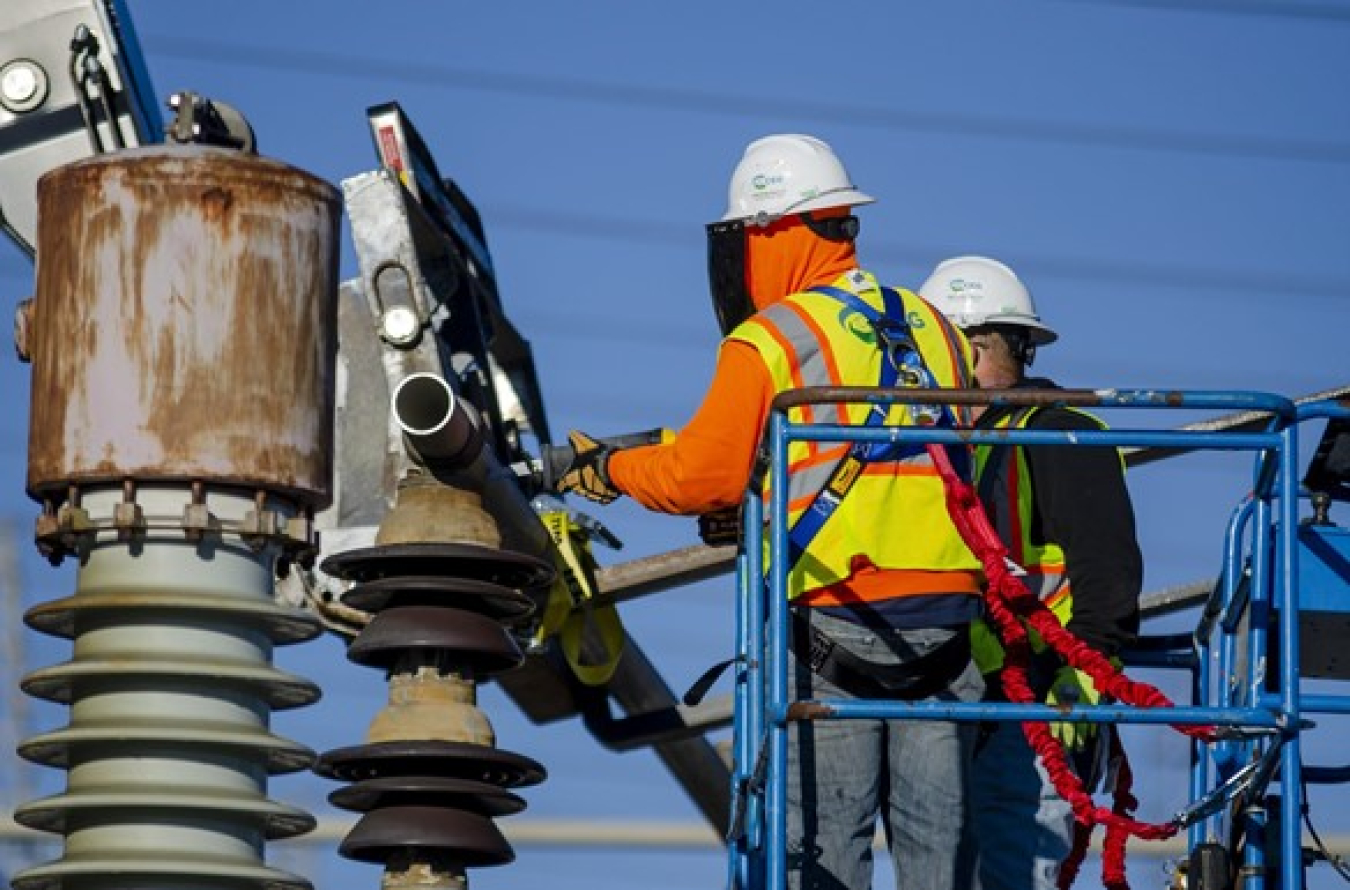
(895, 514)
(1003, 480)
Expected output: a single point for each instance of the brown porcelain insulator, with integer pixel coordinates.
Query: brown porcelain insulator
(473, 643)
(470, 839)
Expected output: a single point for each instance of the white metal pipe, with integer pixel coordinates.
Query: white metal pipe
(436, 424)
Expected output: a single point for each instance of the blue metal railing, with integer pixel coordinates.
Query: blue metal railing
(1260, 575)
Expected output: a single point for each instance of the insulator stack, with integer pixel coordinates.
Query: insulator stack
(429, 780)
(183, 349)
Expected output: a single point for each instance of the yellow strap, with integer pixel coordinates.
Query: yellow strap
(575, 586)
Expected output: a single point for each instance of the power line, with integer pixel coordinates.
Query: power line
(1284, 10)
(1131, 271)
(1136, 272)
(435, 75)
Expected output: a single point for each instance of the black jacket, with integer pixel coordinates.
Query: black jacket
(1081, 503)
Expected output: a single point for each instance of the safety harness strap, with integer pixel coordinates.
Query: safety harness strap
(902, 365)
(1012, 608)
(573, 586)
(911, 680)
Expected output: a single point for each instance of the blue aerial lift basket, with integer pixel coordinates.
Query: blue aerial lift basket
(1247, 661)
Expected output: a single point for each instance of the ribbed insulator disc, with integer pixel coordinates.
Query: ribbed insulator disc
(483, 597)
(69, 616)
(170, 868)
(468, 838)
(459, 794)
(458, 760)
(502, 567)
(66, 746)
(469, 640)
(63, 812)
(65, 682)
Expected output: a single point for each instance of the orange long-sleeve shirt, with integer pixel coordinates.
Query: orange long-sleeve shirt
(707, 467)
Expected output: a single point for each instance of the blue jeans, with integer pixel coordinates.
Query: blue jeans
(1020, 824)
(845, 774)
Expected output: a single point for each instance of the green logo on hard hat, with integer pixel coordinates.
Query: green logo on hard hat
(961, 286)
(765, 181)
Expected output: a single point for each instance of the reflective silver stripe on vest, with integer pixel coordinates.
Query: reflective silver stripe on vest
(806, 350)
(814, 371)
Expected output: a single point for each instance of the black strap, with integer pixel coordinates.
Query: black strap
(909, 681)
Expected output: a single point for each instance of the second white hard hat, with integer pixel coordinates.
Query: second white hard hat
(976, 290)
(788, 173)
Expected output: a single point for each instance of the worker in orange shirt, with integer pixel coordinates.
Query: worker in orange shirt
(882, 588)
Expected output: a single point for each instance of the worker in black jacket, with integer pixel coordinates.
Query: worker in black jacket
(1066, 518)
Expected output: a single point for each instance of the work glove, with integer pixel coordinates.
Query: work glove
(1073, 687)
(720, 527)
(588, 474)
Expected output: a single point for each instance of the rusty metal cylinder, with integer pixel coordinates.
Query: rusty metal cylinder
(185, 324)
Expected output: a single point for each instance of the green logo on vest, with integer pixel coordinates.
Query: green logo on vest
(857, 324)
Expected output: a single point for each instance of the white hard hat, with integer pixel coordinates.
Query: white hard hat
(975, 290)
(788, 173)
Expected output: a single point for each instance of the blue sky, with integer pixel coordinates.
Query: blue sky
(1172, 179)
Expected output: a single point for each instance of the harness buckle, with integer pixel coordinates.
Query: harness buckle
(902, 353)
(899, 347)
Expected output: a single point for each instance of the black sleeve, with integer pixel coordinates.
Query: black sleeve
(1083, 505)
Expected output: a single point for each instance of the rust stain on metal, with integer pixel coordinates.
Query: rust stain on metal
(23, 325)
(185, 323)
(816, 395)
(808, 710)
(216, 203)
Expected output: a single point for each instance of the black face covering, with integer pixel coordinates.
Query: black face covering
(726, 274)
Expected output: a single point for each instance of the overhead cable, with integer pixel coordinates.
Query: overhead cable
(556, 87)
(1126, 271)
(1284, 10)
(1139, 273)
